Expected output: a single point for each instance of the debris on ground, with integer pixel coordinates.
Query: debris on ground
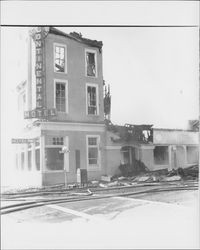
(103, 185)
(121, 178)
(106, 178)
(142, 178)
(95, 182)
(112, 184)
(173, 178)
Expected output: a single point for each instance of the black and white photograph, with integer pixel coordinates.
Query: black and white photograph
(100, 125)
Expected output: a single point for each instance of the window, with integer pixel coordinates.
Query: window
(54, 159)
(22, 160)
(58, 141)
(192, 154)
(93, 151)
(59, 58)
(91, 68)
(37, 158)
(161, 155)
(29, 160)
(60, 96)
(92, 100)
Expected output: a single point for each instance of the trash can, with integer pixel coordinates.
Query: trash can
(82, 176)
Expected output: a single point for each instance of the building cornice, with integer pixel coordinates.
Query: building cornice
(69, 126)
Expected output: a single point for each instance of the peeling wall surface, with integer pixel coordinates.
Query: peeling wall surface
(174, 137)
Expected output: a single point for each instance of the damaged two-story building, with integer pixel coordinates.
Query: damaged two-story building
(66, 108)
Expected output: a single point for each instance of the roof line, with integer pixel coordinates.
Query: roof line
(77, 37)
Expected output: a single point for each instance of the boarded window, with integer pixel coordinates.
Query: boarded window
(37, 159)
(54, 159)
(60, 97)
(59, 59)
(92, 100)
(192, 155)
(161, 156)
(91, 67)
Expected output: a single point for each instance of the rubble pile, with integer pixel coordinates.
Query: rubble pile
(157, 176)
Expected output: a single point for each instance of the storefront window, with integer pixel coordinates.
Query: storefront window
(54, 159)
(29, 160)
(161, 155)
(22, 160)
(37, 159)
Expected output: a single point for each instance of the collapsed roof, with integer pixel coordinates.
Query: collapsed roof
(77, 37)
(131, 133)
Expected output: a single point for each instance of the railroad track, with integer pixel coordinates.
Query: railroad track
(91, 195)
(93, 189)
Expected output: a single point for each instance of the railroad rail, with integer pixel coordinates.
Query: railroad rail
(91, 194)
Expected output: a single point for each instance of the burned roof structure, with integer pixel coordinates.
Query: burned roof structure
(77, 37)
(131, 133)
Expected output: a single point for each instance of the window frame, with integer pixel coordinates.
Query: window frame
(93, 167)
(97, 98)
(66, 95)
(168, 156)
(54, 57)
(95, 59)
(197, 151)
(65, 157)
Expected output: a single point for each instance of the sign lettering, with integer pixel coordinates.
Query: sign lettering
(23, 141)
(39, 113)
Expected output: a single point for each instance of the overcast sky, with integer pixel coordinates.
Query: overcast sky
(152, 72)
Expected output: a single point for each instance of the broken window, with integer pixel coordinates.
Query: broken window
(60, 97)
(93, 151)
(91, 64)
(92, 100)
(161, 156)
(54, 159)
(192, 154)
(59, 65)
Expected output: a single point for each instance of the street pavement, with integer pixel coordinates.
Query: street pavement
(166, 220)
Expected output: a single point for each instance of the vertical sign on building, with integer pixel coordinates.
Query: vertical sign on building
(41, 111)
(39, 69)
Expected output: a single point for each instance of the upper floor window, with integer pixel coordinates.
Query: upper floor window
(60, 58)
(92, 99)
(91, 63)
(60, 96)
